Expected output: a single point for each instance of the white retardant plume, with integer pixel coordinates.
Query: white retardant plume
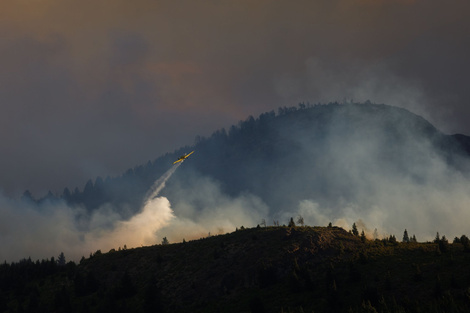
(141, 228)
(220, 213)
(27, 230)
(159, 184)
(40, 233)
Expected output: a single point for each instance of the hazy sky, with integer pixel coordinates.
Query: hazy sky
(92, 88)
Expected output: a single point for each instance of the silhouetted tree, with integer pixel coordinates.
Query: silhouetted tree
(363, 236)
(465, 242)
(66, 195)
(406, 238)
(300, 220)
(291, 222)
(61, 259)
(27, 196)
(436, 240)
(165, 241)
(88, 189)
(443, 243)
(355, 232)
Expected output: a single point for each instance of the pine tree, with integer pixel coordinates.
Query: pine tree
(355, 232)
(406, 238)
(61, 259)
(27, 196)
(363, 236)
(437, 239)
(465, 241)
(443, 244)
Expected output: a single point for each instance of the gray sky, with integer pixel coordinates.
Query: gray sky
(91, 88)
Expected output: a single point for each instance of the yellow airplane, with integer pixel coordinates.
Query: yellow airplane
(183, 157)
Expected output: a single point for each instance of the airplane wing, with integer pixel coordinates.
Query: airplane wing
(184, 157)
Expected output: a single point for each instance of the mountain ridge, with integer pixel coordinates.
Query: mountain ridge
(330, 154)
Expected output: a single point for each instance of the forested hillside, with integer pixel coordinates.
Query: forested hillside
(263, 269)
(332, 154)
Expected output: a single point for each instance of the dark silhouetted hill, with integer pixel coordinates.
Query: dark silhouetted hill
(273, 269)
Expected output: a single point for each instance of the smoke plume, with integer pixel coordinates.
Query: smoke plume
(27, 230)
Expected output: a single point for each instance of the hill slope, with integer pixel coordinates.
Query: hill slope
(256, 148)
(274, 269)
(328, 153)
(326, 162)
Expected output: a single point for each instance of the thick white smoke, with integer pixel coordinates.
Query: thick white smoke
(27, 232)
(206, 209)
(415, 189)
(361, 180)
(141, 229)
(44, 232)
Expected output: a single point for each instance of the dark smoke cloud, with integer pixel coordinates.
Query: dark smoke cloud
(81, 99)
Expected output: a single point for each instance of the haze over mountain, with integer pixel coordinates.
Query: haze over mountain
(140, 78)
(379, 166)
